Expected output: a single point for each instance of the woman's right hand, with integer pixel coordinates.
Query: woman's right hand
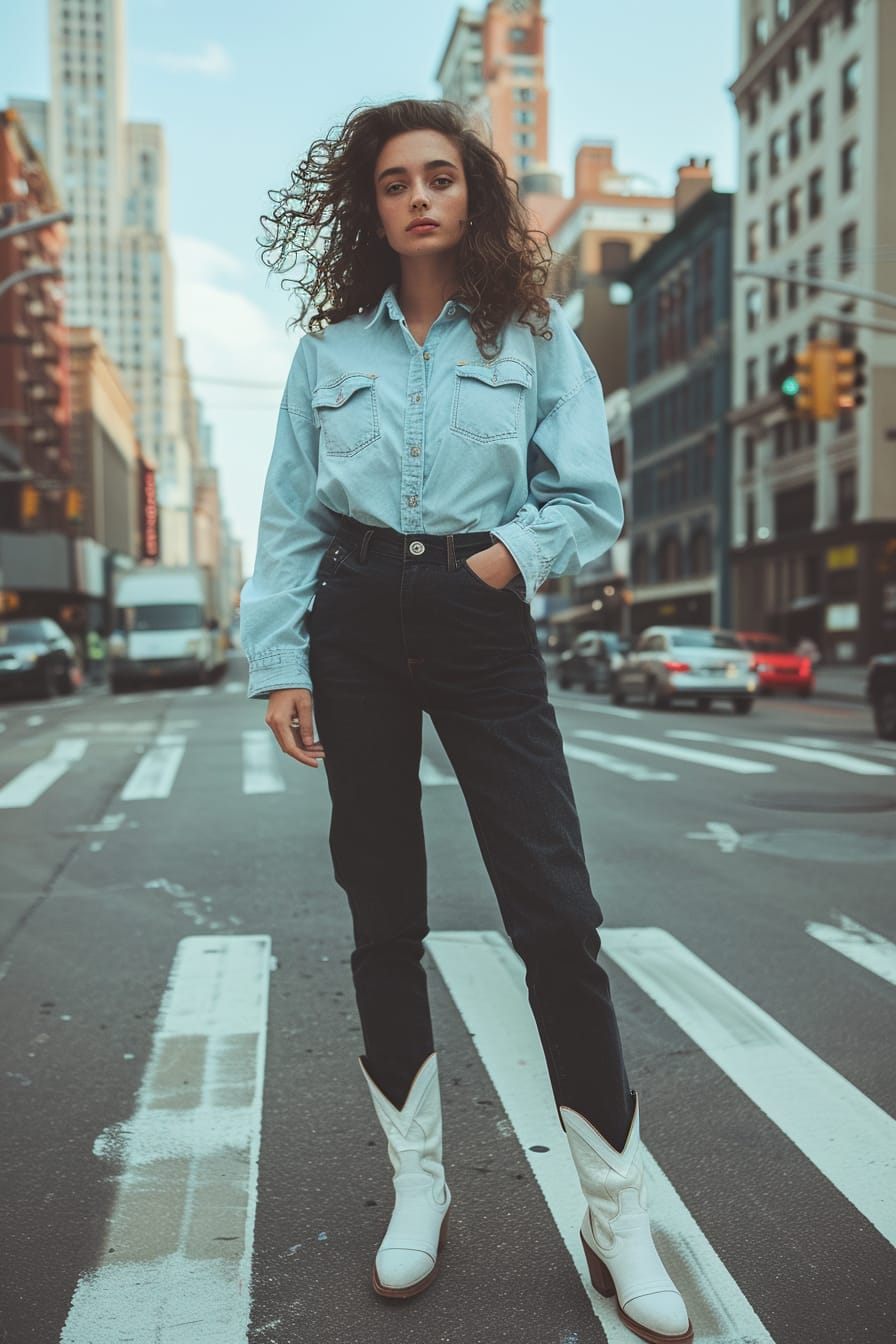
(298, 742)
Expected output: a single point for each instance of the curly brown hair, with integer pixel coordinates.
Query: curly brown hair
(325, 221)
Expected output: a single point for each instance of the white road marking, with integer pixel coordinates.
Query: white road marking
(201, 690)
(184, 1215)
(836, 760)
(113, 727)
(617, 766)
(486, 981)
(261, 766)
(35, 779)
(850, 1140)
(156, 771)
(431, 775)
(617, 711)
(721, 833)
(112, 821)
(714, 760)
(34, 720)
(235, 687)
(861, 945)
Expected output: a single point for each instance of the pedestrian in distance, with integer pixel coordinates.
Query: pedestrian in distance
(441, 450)
(96, 658)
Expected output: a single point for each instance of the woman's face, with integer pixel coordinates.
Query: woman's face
(419, 176)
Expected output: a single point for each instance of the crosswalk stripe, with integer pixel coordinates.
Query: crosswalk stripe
(715, 760)
(201, 690)
(261, 768)
(849, 1139)
(485, 979)
(157, 769)
(616, 765)
(861, 945)
(234, 687)
(836, 760)
(184, 1215)
(614, 711)
(35, 779)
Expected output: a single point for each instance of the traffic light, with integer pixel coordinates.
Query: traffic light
(795, 382)
(850, 376)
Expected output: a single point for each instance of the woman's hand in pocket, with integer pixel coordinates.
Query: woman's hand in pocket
(291, 720)
(495, 565)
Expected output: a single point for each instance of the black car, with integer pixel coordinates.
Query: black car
(882, 694)
(37, 656)
(592, 661)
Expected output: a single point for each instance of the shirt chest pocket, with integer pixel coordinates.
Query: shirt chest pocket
(488, 399)
(346, 413)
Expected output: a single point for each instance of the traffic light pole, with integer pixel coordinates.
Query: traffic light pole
(815, 282)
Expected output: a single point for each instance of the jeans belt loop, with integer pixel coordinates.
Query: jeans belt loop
(365, 545)
(452, 558)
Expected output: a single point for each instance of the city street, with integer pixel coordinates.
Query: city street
(172, 1159)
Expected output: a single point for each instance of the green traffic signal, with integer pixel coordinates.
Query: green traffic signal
(790, 386)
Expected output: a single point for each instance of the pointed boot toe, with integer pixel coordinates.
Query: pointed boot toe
(660, 1318)
(399, 1273)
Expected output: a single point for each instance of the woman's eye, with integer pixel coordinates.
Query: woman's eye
(446, 180)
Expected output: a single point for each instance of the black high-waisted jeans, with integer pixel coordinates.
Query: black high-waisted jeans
(401, 626)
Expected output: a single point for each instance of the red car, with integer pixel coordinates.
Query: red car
(776, 665)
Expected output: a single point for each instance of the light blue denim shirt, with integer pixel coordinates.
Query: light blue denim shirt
(429, 438)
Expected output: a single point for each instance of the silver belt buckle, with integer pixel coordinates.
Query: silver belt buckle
(416, 548)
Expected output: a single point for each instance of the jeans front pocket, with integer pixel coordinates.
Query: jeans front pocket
(346, 412)
(488, 399)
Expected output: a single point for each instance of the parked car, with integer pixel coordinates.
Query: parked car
(37, 655)
(881, 688)
(688, 663)
(593, 660)
(777, 665)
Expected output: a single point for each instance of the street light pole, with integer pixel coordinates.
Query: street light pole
(815, 282)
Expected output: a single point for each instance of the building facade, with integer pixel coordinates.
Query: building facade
(813, 505)
(679, 356)
(112, 176)
(493, 65)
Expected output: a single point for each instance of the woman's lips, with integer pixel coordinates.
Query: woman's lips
(422, 228)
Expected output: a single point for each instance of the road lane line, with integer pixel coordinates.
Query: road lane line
(615, 711)
(848, 1138)
(35, 779)
(261, 766)
(733, 764)
(34, 720)
(183, 1220)
(234, 687)
(835, 760)
(431, 775)
(617, 766)
(201, 690)
(486, 981)
(870, 950)
(157, 769)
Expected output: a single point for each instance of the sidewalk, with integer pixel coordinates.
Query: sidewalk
(841, 683)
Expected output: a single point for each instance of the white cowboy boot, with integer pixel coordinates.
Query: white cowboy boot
(619, 1248)
(406, 1261)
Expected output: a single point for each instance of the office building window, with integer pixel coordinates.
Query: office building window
(849, 165)
(775, 224)
(754, 308)
(794, 210)
(524, 138)
(793, 289)
(749, 452)
(846, 495)
(813, 269)
(753, 173)
(772, 361)
(850, 78)
(753, 241)
(795, 135)
(774, 83)
(849, 12)
(849, 239)
(816, 116)
(816, 194)
(523, 117)
(782, 10)
(523, 161)
(774, 298)
(777, 148)
(815, 41)
(518, 34)
(752, 109)
(526, 95)
(752, 379)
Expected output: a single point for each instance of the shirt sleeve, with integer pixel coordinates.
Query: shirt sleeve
(292, 537)
(573, 512)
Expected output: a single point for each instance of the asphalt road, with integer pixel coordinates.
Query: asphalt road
(188, 1150)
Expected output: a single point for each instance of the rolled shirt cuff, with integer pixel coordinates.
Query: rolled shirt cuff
(285, 673)
(533, 564)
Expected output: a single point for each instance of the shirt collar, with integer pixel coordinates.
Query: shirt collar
(389, 303)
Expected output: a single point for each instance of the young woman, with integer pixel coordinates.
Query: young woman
(441, 451)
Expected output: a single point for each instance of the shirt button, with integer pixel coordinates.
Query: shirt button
(494, 377)
(451, 310)
(417, 397)
(412, 500)
(427, 355)
(415, 452)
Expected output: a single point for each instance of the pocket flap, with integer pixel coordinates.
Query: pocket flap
(337, 393)
(499, 373)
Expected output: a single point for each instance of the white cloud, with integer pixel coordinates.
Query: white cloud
(232, 344)
(212, 62)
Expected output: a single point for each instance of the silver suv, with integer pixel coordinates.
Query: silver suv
(695, 663)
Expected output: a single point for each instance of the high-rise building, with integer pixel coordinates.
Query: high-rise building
(112, 176)
(493, 66)
(814, 503)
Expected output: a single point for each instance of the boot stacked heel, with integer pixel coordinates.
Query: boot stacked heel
(601, 1277)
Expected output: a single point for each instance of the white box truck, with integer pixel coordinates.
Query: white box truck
(168, 628)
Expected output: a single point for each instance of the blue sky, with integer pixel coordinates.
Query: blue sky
(242, 89)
